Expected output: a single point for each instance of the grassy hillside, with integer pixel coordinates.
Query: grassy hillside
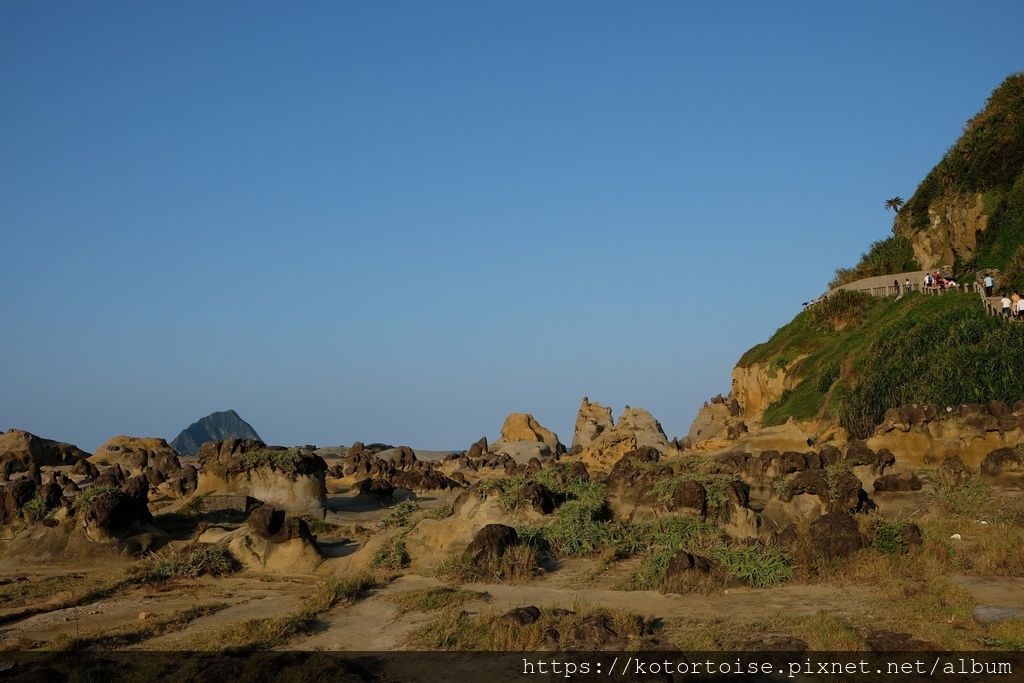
(864, 356)
(988, 159)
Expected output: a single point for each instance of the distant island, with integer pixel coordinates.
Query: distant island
(214, 427)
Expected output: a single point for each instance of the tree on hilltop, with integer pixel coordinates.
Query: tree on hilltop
(894, 203)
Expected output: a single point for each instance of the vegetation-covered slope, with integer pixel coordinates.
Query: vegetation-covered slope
(968, 212)
(856, 356)
(864, 356)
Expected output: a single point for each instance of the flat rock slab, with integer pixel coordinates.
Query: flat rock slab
(986, 614)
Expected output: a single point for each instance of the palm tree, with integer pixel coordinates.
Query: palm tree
(894, 203)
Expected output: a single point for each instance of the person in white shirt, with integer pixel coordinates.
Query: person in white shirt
(1020, 307)
(1006, 306)
(989, 283)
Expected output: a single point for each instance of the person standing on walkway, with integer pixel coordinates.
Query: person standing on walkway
(896, 287)
(1006, 306)
(989, 284)
(927, 281)
(1014, 300)
(1020, 309)
(906, 286)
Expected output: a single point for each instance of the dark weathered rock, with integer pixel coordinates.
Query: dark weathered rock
(535, 496)
(478, 448)
(378, 488)
(889, 641)
(772, 642)
(683, 564)
(423, 480)
(775, 464)
(13, 497)
(118, 513)
(953, 471)
(520, 616)
(858, 454)
(277, 526)
(904, 481)
(594, 632)
(634, 478)
(492, 540)
(830, 455)
(836, 535)
(243, 504)
(1000, 461)
(85, 469)
(838, 492)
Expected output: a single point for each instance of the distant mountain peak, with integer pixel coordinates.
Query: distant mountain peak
(214, 427)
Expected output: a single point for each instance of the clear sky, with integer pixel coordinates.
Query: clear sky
(399, 221)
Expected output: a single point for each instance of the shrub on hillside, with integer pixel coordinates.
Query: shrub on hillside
(891, 255)
(842, 309)
(946, 351)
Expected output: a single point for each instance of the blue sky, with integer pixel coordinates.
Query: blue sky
(400, 221)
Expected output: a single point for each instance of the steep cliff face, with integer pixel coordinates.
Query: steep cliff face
(971, 191)
(954, 224)
(845, 361)
(754, 388)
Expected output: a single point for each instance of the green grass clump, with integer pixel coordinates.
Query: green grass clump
(84, 499)
(656, 540)
(286, 461)
(433, 599)
(505, 487)
(442, 512)
(758, 565)
(841, 309)
(190, 563)
(391, 555)
(888, 536)
(971, 498)
(581, 526)
(518, 563)
(35, 510)
(890, 255)
(401, 515)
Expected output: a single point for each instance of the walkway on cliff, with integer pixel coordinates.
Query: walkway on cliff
(884, 285)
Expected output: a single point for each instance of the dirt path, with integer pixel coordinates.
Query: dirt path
(997, 591)
(375, 624)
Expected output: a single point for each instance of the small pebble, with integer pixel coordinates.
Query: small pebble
(956, 537)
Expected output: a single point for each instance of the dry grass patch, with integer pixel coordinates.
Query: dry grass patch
(266, 633)
(57, 593)
(433, 599)
(556, 629)
(517, 564)
(129, 634)
(825, 631)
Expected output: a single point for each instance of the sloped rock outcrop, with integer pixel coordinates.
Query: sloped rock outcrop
(591, 421)
(636, 428)
(19, 450)
(1002, 461)
(925, 434)
(270, 540)
(289, 479)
